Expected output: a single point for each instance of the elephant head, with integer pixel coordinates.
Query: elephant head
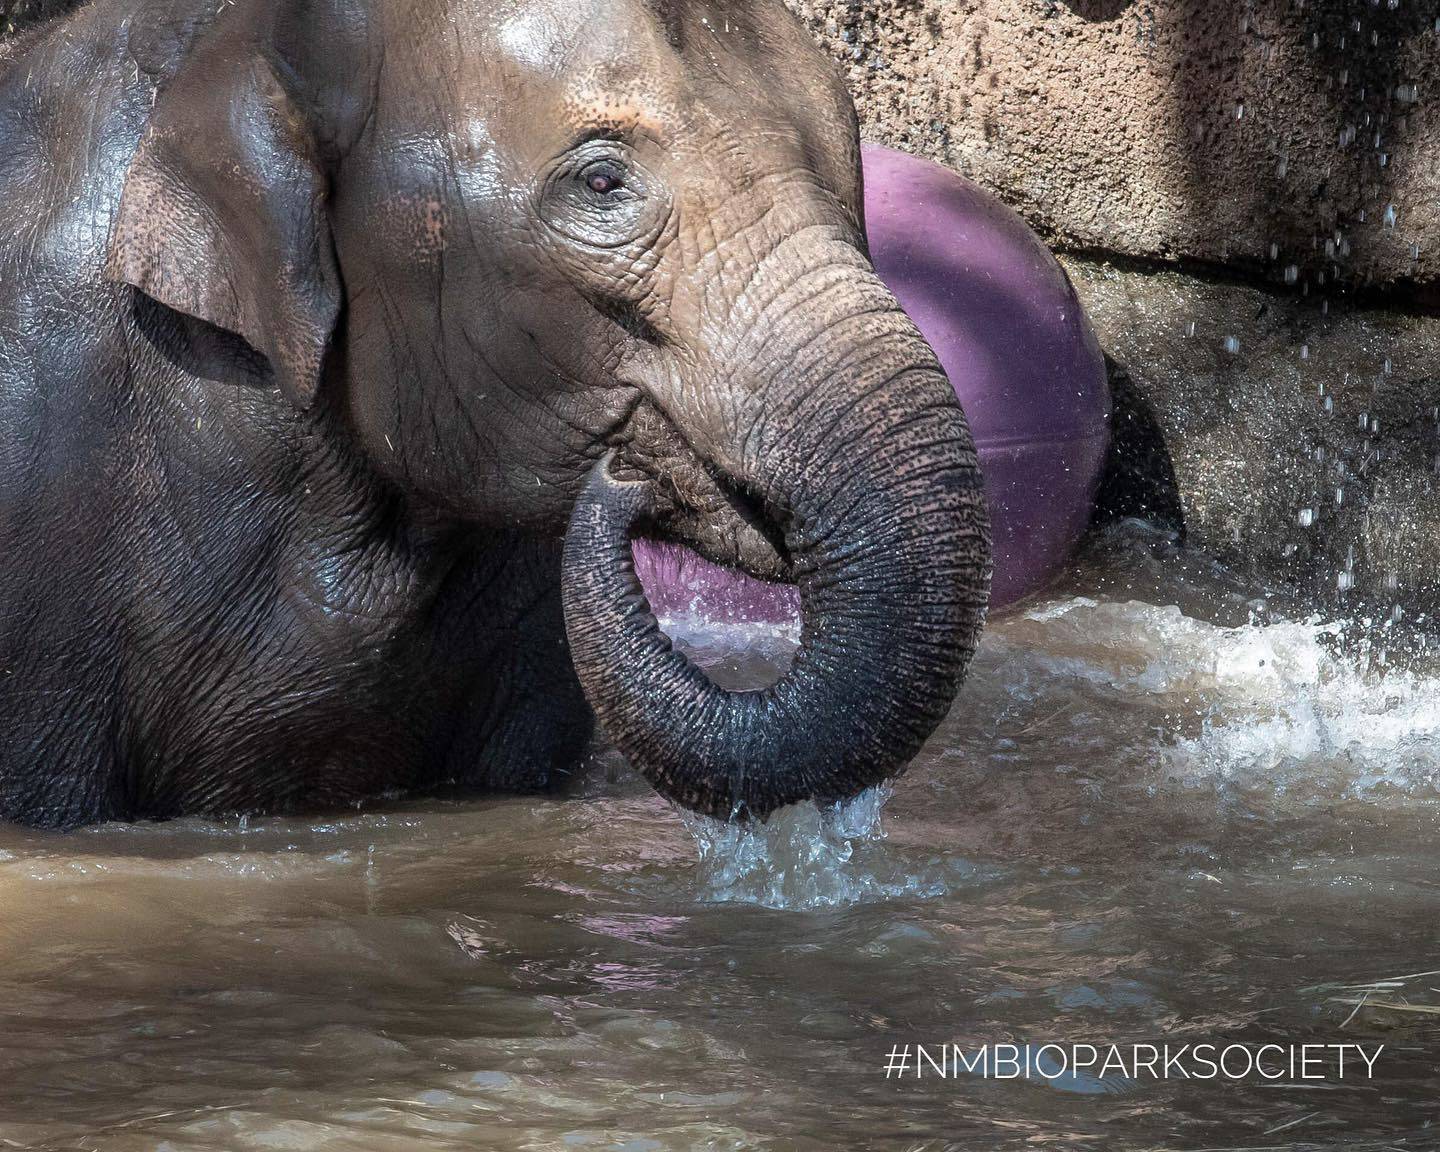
(595, 267)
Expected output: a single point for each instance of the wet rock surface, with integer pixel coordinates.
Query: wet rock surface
(1267, 135)
(17, 15)
(1284, 438)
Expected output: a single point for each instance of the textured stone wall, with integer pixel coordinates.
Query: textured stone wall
(1286, 150)
(1297, 444)
(1263, 135)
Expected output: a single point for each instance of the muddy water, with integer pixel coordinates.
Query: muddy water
(1144, 823)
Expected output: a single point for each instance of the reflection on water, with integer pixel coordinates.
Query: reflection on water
(1141, 824)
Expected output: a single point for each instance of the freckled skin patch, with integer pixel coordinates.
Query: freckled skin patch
(412, 223)
(432, 216)
(620, 115)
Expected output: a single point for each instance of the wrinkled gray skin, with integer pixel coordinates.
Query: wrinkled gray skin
(337, 338)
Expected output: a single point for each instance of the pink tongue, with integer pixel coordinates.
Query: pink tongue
(677, 582)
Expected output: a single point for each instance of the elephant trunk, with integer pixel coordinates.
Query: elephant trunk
(861, 460)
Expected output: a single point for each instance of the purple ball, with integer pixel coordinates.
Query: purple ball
(1005, 321)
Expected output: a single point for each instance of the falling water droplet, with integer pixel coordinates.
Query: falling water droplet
(1232, 345)
(1306, 517)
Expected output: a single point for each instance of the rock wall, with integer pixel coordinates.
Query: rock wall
(1295, 443)
(1294, 140)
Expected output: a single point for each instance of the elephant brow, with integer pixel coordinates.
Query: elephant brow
(621, 120)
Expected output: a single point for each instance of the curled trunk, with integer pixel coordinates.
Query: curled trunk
(862, 461)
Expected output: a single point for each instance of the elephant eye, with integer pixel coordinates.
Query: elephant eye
(601, 197)
(603, 179)
(602, 182)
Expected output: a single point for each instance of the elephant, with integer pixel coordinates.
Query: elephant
(347, 346)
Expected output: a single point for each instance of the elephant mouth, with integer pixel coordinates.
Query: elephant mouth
(710, 547)
(680, 582)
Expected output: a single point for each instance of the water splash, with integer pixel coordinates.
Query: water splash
(710, 640)
(805, 856)
(809, 856)
(1285, 702)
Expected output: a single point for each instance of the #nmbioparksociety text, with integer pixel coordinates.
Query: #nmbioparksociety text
(1203, 1061)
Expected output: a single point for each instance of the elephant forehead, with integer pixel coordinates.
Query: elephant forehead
(540, 37)
(582, 65)
(558, 39)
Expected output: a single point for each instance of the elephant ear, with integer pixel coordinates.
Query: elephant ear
(223, 215)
